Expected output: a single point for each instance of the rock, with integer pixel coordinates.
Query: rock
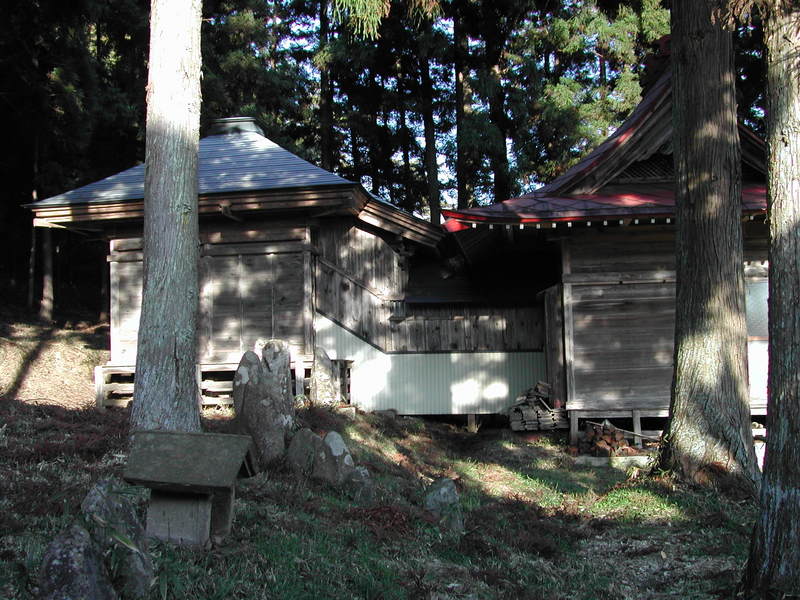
(325, 384)
(441, 501)
(335, 464)
(72, 569)
(276, 359)
(263, 401)
(303, 450)
(390, 414)
(325, 459)
(359, 486)
(111, 517)
(348, 412)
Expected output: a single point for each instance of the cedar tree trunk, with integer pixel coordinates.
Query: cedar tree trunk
(48, 295)
(461, 50)
(774, 565)
(165, 393)
(325, 93)
(708, 439)
(431, 168)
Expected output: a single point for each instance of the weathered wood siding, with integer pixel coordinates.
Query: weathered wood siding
(622, 339)
(245, 297)
(363, 256)
(254, 283)
(126, 302)
(619, 319)
(360, 281)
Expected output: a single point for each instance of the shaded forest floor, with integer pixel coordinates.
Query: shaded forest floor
(537, 525)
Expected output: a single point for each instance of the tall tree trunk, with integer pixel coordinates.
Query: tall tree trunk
(32, 270)
(498, 153)
(708, 437)
(774, 565)
(46, 303)
(407, 201)
(497, 28)
(461, 51)
(165, 392)
(325, 93)
(355, 149)
(431, 167)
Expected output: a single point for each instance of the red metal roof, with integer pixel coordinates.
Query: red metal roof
(612, 202)
(588, 191)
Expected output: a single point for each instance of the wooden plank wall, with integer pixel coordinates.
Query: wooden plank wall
(622, 339)
(619, 310)
(254, 283)
(126, 303)
(363, 256)
(359, 283)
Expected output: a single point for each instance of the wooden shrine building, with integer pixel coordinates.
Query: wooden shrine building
(291, 251)
(610, 316)
(573, 283)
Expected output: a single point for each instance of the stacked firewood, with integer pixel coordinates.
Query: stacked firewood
(603, 439)
(532, 412)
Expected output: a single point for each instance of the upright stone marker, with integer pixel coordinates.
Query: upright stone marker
(263, 400)
(325, 382)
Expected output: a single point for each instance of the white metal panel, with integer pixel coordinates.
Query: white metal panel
(431, 383)
(758, 360)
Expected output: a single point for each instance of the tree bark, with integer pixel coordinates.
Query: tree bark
(165, 392)
(48, 295)
(461, 50)
(773, 568)
(498, 153)
(325, 94)
(429, 126)
(708, 438)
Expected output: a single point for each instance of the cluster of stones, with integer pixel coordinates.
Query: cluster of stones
(74, 564)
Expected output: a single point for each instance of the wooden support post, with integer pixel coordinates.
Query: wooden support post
(472, 423)
(99, 388)
(573, 428)
(198, 377)
(299, 377)
(32, 269)
(637, 427)
(222, 514)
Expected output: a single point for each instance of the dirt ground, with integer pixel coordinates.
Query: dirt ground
(538, 525)
(50, 364)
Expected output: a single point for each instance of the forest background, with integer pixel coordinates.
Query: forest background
(478, 103)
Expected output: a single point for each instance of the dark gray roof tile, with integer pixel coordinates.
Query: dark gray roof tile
(230, 163)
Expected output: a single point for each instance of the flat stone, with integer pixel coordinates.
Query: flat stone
(325, 459)
(335, 464)
(359, 486)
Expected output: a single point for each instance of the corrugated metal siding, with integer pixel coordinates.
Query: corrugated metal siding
(440, 383)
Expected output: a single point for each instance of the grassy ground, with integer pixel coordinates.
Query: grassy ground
(537, 526)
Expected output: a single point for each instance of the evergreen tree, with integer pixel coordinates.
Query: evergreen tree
(708, 438)
(773, 567)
